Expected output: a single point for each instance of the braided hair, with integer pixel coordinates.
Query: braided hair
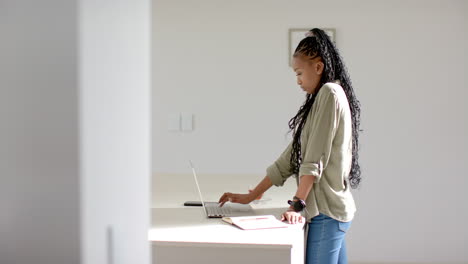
(318, 44)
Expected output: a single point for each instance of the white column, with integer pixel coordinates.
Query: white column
(39, 165)
(115, 130)
(74, 131)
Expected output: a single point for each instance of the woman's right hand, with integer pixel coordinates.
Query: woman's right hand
(235, 198)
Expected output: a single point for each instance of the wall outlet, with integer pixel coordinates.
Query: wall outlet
(187, 122)
(173, 122)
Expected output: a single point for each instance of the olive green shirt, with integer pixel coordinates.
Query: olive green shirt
(326, 149)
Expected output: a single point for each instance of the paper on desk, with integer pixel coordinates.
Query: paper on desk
(255, 222)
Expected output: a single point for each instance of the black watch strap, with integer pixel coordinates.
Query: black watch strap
(297, 204)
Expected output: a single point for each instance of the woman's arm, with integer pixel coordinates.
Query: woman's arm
(303, 190)
(262, 187)
(305, 185)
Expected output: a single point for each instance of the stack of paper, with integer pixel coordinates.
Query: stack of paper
(255, 222)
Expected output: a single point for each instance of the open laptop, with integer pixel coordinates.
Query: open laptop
(213, 210)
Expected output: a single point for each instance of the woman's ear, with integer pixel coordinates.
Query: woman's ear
(319, 67)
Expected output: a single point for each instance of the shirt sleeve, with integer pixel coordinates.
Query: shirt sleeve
(323, 122)
(280, 170)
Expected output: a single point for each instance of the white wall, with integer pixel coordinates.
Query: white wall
(74, 132)
(227, 64)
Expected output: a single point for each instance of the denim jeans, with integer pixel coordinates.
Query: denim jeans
(326, 241)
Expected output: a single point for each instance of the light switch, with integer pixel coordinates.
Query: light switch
(173, 122)
(187, 122)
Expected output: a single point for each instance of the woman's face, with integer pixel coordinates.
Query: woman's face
(308, 72)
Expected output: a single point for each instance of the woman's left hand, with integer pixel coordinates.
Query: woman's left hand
(292, 217)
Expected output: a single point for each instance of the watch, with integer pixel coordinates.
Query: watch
(297, 204)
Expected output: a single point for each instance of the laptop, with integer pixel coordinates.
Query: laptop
(213, 210)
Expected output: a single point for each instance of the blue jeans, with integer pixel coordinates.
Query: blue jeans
(326, 241)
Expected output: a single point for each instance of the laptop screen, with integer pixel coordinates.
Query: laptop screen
(198, 187)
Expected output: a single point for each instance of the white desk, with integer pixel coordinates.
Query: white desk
(185, 235)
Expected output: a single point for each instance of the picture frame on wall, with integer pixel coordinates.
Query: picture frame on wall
(297, 34)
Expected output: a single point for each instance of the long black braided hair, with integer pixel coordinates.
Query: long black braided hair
(318, 44)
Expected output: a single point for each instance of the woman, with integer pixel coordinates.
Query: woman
(323, 154)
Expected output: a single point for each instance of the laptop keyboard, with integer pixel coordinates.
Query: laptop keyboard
(218, 211)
